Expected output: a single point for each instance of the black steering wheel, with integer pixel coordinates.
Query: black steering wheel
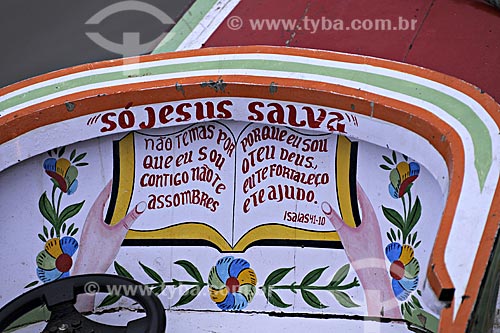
(60, 296)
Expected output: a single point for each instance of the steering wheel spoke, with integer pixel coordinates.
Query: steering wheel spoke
(60, 296)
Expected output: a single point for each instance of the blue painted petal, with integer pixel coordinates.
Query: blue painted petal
(414, 169)
(50, 164)
(222, 268)
(228, 303)
(237, 266)
(393, 251)
(240, 302)
(69, 245)
(409, 284)
(73, 187)
(399, 292)
(393, 192)
(48, 276)
(64, 275)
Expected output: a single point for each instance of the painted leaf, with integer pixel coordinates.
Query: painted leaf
(43, 239)
(188, 296)
(408, 309)
(393, 234)
(61, 152)
(416, 301)
(394, 158)
(120, 270)
(70, 229)
(80, 157)
(393, 216)
(159, 289)
(74, 232)
(312, 300)
(72, 155)
(70, 211)
(46, 209)
(190, 269)
(45, 231)
(81, 164)
(274, 299)
(151, 273)
(414, 216)
(277, 276)
(31, 284)
(109, 299)
(385, 167)
(344, 299)
(387, 159)
(340, 275)
(313, 276)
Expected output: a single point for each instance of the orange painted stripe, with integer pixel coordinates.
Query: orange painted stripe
(483, 99)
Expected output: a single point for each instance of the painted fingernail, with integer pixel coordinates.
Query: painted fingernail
(327, 209)
(140, 207)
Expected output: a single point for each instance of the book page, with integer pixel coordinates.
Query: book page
(183, 174)
(282, 177)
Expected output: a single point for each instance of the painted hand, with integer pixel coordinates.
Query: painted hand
(100, 242)
(363, 246)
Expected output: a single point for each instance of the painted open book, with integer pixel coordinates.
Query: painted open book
(232, 185)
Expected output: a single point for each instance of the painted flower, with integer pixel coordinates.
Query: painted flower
(232, 283)
(55, 261)
(404, 269)
(62, 174)
(401, 177)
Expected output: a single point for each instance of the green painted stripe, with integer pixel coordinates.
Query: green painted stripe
(466, 116)
(185, 26)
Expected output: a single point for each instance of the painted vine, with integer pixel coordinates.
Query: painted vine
(233, 284)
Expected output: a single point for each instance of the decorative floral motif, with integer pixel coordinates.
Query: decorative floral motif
(62, 173)
(404, 269)
(55, 261)
(403, 240)
(402, 177)
(232, 283)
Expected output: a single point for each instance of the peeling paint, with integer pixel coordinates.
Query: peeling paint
(70, 106)
(216, 85)
(180, 88)
(273, 88)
